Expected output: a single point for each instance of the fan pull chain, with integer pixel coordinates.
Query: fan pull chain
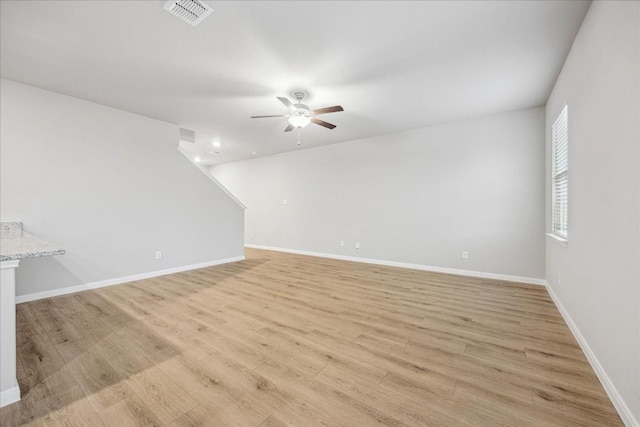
(298, 136)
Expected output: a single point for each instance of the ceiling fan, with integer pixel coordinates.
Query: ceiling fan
(300, 115)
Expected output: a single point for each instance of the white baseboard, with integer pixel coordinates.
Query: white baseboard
(459, 272)
(9, 396)
(120, 280)
(622, 408)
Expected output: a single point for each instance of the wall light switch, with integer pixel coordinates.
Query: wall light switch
(357, 245)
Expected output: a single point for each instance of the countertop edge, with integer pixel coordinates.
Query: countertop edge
(38, 254)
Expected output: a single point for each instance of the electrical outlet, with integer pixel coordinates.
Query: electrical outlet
(251, 235)
(158, 255)
(465, 255)
(342, 243)
(285, 202)
(357, 245)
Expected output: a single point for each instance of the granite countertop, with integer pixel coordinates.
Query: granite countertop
(18, 244)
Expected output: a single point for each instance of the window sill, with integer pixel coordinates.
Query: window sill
(561, 241)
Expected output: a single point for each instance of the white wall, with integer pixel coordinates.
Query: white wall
(108, 186)
(596, 277)
(419, 197)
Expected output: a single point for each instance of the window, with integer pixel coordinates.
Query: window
(560, 177)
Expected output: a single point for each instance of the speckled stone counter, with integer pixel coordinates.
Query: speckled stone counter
(15, 245)
(18, 244)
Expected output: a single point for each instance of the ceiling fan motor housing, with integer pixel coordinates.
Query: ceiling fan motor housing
(301, 109)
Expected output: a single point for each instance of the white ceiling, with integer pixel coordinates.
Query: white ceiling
(392, 65)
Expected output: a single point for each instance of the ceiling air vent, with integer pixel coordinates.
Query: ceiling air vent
(190, 11)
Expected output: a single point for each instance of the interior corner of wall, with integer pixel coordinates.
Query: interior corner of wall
(212, 178)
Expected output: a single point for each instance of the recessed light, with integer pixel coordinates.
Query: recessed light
(196, 159)
(254, 153)
(217, 144)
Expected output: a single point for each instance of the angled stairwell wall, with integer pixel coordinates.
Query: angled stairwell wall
(111, 188)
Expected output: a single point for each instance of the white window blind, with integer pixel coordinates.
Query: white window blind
(560, 178)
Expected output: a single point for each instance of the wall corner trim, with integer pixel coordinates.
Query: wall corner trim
(120, 280)
(213, 178)
(445, 270)
(623, 410)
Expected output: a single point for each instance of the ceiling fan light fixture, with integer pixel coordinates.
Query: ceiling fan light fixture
(300, 115)
(299, 121)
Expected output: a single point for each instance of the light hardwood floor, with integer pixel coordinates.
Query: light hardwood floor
(282, 339)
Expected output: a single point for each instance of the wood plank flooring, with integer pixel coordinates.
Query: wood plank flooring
(289, 340)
